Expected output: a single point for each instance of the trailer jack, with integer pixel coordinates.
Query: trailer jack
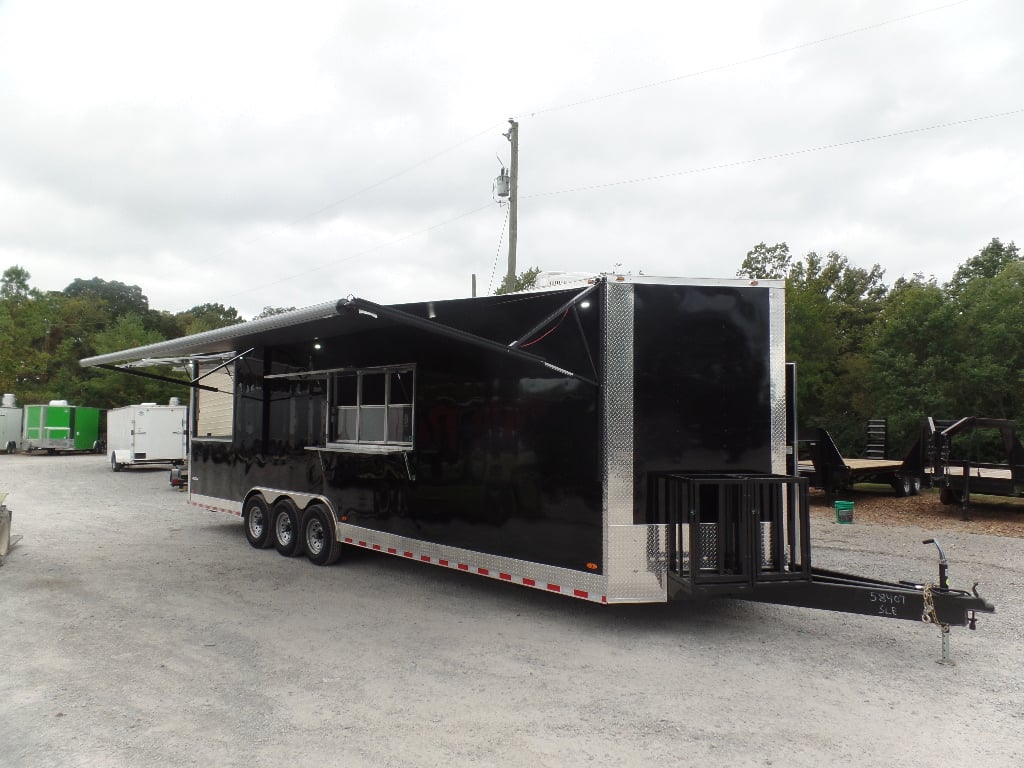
(929, 616)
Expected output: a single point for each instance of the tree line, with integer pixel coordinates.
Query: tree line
(863, 349)
(903, 352)
(43, 335)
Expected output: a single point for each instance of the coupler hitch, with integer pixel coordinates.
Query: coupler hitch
(932, 591)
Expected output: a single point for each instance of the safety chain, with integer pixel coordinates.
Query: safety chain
(928, 615)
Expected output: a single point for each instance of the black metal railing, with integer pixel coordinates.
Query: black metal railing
(733, 529)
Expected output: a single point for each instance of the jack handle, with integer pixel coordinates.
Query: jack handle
(943, 564)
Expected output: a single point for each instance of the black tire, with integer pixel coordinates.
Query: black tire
(284, 530)
(113, 463)
(949, 496)
(322, 546)
(256, 516)
(901, 485)
(12, 447)
(915, 486)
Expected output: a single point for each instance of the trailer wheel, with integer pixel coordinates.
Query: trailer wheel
(11, 447)
(949, 496)
(915, 486)
(256, 515)
(322, 547)
(285, 528)
(113, 463)
(901, 484)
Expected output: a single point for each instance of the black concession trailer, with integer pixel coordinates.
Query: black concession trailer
(627, 440)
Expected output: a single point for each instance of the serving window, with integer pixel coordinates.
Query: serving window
(372, 406)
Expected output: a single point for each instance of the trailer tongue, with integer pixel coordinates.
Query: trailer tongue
(748, 537)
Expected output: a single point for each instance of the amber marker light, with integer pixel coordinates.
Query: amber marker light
(591, 566)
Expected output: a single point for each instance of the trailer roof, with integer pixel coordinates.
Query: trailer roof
(350, 315)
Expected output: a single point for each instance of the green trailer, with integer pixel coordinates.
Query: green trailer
(58, 426)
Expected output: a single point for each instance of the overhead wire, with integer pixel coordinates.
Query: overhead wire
(777, 155)
(748, 60)
(602, 97)
(501, 237)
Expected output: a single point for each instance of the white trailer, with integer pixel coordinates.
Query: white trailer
(147, 434)
(10, 425)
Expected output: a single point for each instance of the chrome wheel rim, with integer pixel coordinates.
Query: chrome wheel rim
(315, 537)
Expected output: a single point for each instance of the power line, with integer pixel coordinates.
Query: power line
(777, 155)
(363, 190)
(456, 145)
(749, 60)
(641, 180)
(441, 153)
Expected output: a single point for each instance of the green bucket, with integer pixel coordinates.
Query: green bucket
(844, 511)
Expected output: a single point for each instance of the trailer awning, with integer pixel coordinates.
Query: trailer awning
(281, 327)
(346, 316)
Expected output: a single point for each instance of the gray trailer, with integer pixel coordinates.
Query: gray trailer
(10, 425)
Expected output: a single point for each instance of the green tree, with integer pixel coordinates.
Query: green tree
(989, 262)
(912, 356)
(14, 283)
(764, 262)
(524, 281)
(120, 299)
(272, 311)
(206, 317)
(987, 374)
(830, 308)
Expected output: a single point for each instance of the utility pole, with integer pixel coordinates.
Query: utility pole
(513, 137)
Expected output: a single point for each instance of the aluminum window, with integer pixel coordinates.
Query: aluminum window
(373, 406)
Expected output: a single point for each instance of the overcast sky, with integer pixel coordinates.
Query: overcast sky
(284, 154)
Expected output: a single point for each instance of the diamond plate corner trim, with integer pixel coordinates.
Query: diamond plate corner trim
(777, 352)
(633, 566)
(640, 554)
(618, 406)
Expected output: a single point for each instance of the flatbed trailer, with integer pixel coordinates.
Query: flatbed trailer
(958, 476)
(622, 441)
(825, 467)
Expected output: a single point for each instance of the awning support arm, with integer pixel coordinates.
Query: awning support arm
(225, 364)
(155, 377)
(557, 313)
(191, 383)
(430, 326)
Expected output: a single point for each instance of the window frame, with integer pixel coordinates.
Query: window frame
(389, 407)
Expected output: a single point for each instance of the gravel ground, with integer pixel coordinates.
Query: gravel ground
(138, 631)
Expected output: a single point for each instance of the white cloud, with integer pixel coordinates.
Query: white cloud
(257, 154)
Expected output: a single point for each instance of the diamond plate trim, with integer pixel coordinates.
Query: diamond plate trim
(635, 555)
(777, 354)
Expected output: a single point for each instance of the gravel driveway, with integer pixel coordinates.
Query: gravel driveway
(136, 630)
